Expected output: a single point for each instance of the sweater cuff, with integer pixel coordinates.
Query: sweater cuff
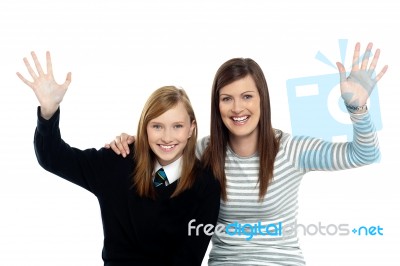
(46, 127)
(359, 117)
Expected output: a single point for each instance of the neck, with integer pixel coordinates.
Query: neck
(244, 146)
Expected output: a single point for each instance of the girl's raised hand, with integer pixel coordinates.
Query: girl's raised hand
(47, 90)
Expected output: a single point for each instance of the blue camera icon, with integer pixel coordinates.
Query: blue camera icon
(317, 109)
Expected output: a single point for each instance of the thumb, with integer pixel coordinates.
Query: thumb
(342, 71)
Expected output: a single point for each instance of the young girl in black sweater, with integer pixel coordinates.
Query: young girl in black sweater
(146, 199)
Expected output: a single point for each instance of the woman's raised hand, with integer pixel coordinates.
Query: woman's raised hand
(357, 87)
(47, 90)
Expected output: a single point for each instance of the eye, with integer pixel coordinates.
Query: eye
(226, 99)
(247, 97)
(155, 126)
(178, 126)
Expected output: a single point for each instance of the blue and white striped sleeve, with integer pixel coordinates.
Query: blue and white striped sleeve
(310, 154)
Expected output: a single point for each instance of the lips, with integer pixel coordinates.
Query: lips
(167, 148)
(240, 120)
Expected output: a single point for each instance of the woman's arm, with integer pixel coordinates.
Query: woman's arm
(309, 153)
(120, 145)
(314, 154)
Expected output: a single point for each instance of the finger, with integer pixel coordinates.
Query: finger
(374, 61)
(37, 64)
(67, 80)
(114, 148)
(342, 71)
(131, 139)
(49, 64)
(120, 146)
(125, 141)
(30, 70)
(380, 75)
(356, 55)
(107, 146)
(27, 82)
(126, 147)
(366, 56)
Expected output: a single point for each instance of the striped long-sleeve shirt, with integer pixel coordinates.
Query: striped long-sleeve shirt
(250, 232)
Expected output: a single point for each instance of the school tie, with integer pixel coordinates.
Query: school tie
(160, 178)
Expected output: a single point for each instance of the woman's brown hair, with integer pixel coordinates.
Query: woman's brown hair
(159, 102)
(268, 144)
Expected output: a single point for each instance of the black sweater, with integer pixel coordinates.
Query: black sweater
(137, 230)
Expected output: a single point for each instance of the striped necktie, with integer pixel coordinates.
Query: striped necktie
(160, 178)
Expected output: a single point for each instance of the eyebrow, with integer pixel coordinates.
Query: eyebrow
(175, 122)
(240, 94)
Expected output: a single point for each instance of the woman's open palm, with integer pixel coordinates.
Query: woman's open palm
(357, 87)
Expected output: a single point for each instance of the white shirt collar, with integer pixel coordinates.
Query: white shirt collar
(172, 170)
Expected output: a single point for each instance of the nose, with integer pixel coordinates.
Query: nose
(166, 136)
(237, 106)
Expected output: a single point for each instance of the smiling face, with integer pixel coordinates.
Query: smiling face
(239, 105)
(168, 134)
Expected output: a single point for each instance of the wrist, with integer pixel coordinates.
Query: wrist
(356, 109)
(48, 112)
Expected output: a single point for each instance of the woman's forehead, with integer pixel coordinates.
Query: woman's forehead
(246, 84)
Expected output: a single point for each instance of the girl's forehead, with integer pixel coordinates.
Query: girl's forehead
(176, 114)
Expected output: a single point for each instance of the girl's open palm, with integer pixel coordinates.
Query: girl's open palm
(47, 90)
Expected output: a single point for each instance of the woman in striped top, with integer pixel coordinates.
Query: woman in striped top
(260, 168)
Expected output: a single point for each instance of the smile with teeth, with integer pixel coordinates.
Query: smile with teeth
(240, 119)
(167, 147)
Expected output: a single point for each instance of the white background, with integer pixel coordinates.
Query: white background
(120, 51)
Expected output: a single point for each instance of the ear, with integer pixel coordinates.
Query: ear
(192, 128)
